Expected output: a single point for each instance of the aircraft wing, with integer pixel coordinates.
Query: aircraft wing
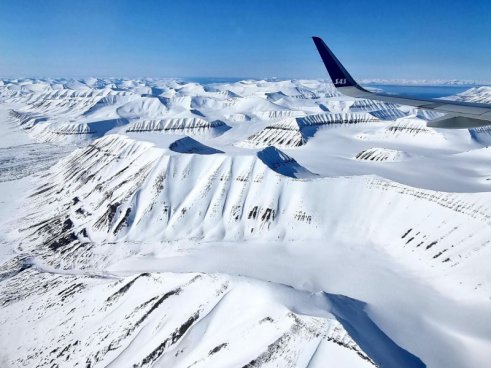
(457, 114)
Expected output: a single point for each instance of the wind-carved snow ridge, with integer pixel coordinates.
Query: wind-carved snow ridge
(296, 132)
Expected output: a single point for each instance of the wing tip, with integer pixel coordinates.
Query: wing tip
(339, 75)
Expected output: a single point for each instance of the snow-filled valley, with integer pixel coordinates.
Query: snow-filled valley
(166, 223)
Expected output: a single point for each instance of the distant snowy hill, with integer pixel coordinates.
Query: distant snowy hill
(426, 82)
(165, 223)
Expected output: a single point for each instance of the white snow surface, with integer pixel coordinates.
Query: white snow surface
(164, 223)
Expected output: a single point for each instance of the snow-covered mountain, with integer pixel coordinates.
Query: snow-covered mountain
(164, 223)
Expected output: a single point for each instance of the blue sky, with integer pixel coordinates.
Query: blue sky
(412, 39)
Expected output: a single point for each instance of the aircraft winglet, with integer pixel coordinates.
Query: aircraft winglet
(339, 75)
(459, 114)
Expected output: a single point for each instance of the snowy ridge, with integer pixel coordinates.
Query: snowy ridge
(168, 319)
(295, 132)
(342, 118)
(284, 134)
(151, 102)
(27, 120)
(428, 114)
(237, 118)
(388, 114)
(389, 111)
(481, 135)
(283, 164)
(140, 200)
(380, 154)
(278, 114)
(362, 105)
(70, 116)
(476, 95)
(75, 132)
(410, 129)
(179, 125)
(368, 246)
(142, 107)
(63, 101)
(191, 146)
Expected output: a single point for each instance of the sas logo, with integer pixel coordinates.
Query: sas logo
(340, 81)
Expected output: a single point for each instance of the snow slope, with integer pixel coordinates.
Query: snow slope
(274, 224)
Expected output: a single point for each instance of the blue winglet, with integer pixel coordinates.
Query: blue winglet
(339, 76)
